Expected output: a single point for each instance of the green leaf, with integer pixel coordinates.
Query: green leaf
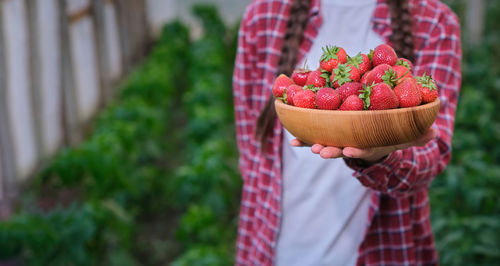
(356, 60)
(370, 55)
(342, 74)
(427, 82)
(401, 62)
(390, 77)
(365, 95)
(329, 53)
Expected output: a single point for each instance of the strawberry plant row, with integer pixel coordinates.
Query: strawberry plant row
(116, 176)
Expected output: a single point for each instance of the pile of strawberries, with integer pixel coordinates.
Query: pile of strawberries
(377, 81)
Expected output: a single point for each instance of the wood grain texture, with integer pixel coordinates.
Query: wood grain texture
(361, 129)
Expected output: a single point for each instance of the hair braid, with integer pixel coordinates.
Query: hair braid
(299, 13)
(401, 25)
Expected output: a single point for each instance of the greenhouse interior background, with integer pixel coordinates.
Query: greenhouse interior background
(117, 135)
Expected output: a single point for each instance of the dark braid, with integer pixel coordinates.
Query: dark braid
(299, 14)
(401, 25)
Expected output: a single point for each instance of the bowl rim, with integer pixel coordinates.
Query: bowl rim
(351, 112)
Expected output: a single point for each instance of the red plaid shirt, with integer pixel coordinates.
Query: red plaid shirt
(399, 232)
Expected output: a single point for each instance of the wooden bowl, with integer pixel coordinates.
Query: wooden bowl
(360, 129)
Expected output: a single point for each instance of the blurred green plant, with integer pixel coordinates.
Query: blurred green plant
(208, 184)
(121, 172)
(465, 198)
(59, 237)
(166, 144)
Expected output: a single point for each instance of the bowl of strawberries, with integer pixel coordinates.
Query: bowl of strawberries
(363, 101)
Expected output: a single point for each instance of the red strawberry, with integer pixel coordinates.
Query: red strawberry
(428, 88)
(384, 54)
(402, 72)
(290, 92)
(305, 99)
(379, 97)
(344, 73)
(280, 84)
(361, 62)
(363, 79)
(406, 63)
(316, 78)
(332, 57)
(377, 73)
(299, 76)
(327, 99)
(348, 89)
(408, 93)
(351, 103)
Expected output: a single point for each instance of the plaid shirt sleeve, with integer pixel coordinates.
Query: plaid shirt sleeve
(404, 172)
(243, 89)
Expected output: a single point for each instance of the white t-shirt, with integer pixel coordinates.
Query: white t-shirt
(324, 208)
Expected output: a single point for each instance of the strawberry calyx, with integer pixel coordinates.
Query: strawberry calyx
(283, 98)
(342, 74)
(356, 60)
(401, 62)
(311, 88)
(365, 95)
(370, 54)
(329, 53)
(390, 77)
(326, 75)
(427, 82)
(305, 68)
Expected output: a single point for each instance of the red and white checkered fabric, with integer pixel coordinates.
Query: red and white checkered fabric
(399, 232)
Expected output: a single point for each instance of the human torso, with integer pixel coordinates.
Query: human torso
(324, 208)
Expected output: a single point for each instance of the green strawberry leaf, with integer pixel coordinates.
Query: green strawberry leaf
(356, 60)
(390, 77)
(285, 97)
(427, 81)
(311, 88)
(329, 53)
(370, 54)
(305, 67)
(324, 75)
(402, 62)
(342, 74)
(365, 95)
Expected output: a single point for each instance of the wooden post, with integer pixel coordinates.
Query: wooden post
(138, 28)
(71, 124)
(475, 21)
(35, 76)
(122, 18)
(99, 22)
(7, 171)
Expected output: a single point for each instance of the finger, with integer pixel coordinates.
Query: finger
(297, 143)
(330, 152)
(352, 152)
(316, 148)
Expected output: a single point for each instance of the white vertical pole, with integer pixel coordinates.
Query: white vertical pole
(475, 16)
(71, 121)
(8, 184)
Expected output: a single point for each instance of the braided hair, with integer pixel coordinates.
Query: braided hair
(299, 14)
(401, 39)
(401, 25)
